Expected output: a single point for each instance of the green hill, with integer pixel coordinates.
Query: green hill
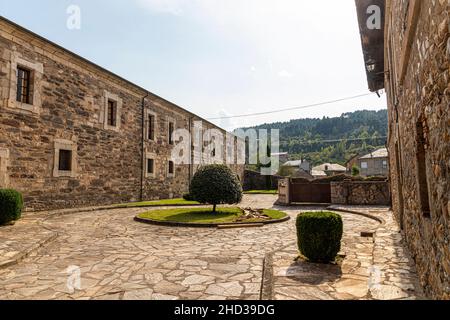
(332, 139)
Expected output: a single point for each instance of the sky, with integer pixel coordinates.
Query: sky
(218, 58)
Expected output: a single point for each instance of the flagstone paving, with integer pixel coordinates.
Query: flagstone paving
(119, 258)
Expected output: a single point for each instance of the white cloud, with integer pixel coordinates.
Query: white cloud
(285, 74)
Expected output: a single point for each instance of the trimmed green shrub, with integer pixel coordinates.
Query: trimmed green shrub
(216, 184)
(319, 235)
(11, 204)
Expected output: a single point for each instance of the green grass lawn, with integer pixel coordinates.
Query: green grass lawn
(261, 192)
(158, 203)
(203, 216)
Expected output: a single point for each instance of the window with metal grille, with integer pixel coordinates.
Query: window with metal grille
(23, 85)
(150, 166)
(171, 129)
(151, 127)
(171, 167)
(65, 160)
(112, 113)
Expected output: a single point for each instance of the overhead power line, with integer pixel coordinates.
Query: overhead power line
(340, 140)
(293, 108)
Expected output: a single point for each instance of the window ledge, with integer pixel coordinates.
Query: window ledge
(64, 174)
(21, 107)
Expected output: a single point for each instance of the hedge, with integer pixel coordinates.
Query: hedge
(11, 204)
(319, 235)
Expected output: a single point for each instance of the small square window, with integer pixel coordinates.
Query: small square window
(112, 113)
(171, 168)
(364, 165)
(65, 160)
(150, 166)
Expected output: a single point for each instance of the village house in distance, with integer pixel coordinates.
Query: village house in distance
(374, 164)
(74, 134)
(409, 57)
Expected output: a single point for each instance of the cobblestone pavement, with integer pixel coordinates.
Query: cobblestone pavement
(123, 259)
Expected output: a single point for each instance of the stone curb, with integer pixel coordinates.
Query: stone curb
(303, 204)
(209, 225)
(378, 219)
(24, 254)
(267, 274)
(90, 209)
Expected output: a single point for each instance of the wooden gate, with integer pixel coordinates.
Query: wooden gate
(310, 192)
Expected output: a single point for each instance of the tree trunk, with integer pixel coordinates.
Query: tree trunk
(214, 208)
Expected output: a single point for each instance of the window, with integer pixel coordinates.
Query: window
(65, 160)
(150, 166)
(385, 164)
(171, 168)
(171, 130)
(112, 113)
(151, 126)
(23, 85)
(422, 171)
(364, 165)
(65, 164)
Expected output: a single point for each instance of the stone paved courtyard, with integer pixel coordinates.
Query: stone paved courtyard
(123, 259)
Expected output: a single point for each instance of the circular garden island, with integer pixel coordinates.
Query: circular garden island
(204, 217)
(214, 185)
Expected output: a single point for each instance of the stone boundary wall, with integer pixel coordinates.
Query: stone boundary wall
(253, 180)
(361, 193)
(346, 192)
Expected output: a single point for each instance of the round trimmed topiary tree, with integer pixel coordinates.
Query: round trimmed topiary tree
(319, 235)
(216, 184)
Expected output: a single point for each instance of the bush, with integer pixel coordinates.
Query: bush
(319, 235)
(216, 184)
(188, 197)
(355, 171)
(11, 204)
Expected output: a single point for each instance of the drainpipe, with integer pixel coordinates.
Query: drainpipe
(191, 152)
(141, 196)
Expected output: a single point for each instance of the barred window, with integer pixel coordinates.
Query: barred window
(151, 127)
(23, 85)
(171, 130)
(112, 113)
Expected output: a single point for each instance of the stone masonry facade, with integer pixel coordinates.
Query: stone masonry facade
(68, 114)
(417, 52)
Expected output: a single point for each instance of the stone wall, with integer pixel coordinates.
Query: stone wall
(418, 90)
(360, 193)
(253, 180)
(68, 110)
